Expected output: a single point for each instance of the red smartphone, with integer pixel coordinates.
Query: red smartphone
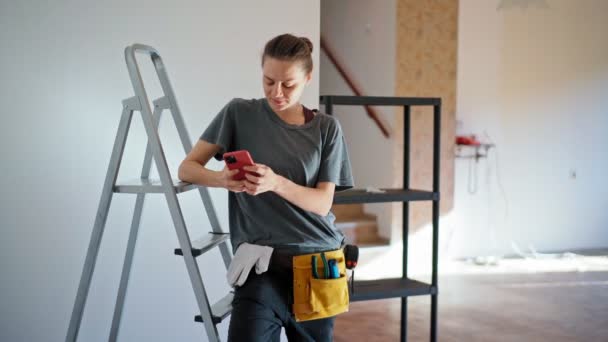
(236, 160)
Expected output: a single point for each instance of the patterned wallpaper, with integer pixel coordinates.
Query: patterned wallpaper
(427, 41)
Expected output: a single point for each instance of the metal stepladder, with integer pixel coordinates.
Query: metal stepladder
(210, 314)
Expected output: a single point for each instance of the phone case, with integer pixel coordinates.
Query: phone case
(236, 160)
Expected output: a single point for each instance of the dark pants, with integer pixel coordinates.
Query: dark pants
(263, 305)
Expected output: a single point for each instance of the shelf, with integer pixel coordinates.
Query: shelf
(142, 185)
(475, 149)
(389, 288)
(219, 310)
(390, 195)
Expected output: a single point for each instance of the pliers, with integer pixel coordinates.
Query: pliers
(315, 272)
(325, 266)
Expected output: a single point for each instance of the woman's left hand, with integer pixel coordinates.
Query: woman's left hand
(266, 179)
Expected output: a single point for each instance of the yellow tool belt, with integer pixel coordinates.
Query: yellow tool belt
(316, 298)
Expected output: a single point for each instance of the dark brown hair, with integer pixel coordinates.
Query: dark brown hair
(287, 47)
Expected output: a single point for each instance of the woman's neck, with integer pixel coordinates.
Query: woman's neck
(293, 115)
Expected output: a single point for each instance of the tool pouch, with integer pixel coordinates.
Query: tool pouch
(318, 298)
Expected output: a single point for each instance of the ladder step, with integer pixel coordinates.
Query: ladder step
(142, 185)
(205, 243)
(219, 310)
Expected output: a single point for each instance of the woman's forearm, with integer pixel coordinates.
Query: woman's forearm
(193, 172)
(316, 200)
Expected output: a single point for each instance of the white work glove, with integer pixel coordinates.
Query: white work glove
(246, 256)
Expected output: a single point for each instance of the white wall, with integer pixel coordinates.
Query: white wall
(362, 33)
(63, 79)
(534, 76)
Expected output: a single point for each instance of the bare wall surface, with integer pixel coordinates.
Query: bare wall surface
(533, 76)
(63, 80)
(427, 42)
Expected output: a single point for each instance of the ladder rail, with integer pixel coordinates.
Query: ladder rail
(101, 218)
(172, 105)
(187, 145)
(167, 183)
(132, 241)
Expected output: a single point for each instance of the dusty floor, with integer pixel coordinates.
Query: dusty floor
(550, 298)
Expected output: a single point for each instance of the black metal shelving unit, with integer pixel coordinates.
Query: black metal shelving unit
(399, 287)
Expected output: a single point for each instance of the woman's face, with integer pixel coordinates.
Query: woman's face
(284, 83)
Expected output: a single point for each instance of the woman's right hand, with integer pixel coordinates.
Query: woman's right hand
(229, 183)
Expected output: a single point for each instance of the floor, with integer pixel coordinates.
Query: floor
(554, 299)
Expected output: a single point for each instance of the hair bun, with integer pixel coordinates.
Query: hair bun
(288, 47)
(307, 42)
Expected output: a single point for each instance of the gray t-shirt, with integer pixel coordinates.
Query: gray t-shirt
(306, 154)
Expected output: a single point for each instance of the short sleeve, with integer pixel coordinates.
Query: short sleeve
(221, 130)
(335, 163)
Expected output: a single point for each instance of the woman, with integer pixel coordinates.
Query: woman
(282, 208)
